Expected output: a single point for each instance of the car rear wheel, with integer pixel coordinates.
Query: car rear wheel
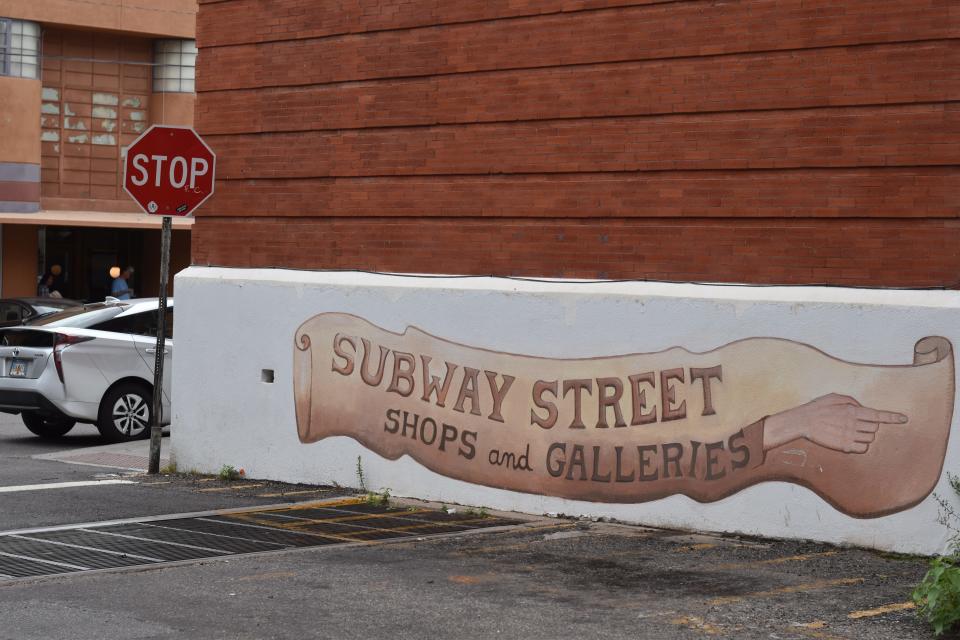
(125, 413)
(47, 427)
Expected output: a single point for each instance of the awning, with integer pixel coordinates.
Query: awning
(109, 219)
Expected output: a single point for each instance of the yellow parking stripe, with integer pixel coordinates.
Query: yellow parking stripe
(233, 487)
(816, 624)
(879, 611)
(322, 505)
(427, 525)
(291, 493)
(797, 588)
(308, 522)
(699, 624)
(783, 560)
(244, 519)
(303, 526)
(352, 518)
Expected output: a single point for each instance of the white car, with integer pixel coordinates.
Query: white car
(90, 364)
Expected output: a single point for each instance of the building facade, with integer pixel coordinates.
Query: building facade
(78, 83)
(747, 141)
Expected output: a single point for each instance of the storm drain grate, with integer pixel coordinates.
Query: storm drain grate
(163, 540)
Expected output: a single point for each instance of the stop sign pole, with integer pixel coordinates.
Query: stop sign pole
(168, 171)
(156, 417)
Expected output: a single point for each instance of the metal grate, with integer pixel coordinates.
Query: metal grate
(172, 539)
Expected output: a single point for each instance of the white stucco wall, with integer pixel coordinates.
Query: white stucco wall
(233, 323)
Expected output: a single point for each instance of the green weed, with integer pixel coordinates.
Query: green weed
(229, 472)
(361, 480)
(381, 499)
(938, 595)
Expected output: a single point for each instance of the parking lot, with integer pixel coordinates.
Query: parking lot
(535, 578)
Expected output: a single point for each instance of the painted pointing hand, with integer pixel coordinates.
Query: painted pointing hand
(834, 421)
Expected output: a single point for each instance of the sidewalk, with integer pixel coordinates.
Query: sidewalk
(126, 456)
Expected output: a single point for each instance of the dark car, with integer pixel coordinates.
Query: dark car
(17, 311)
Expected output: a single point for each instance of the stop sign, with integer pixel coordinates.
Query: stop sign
(169, 171)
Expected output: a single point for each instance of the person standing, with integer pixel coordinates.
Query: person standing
(45, 285)
(120, 289)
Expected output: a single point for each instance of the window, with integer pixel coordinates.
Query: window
(138, 324)
(10, 313)
(83, 317)
(19, 48)
(175, 66)
(47, 307)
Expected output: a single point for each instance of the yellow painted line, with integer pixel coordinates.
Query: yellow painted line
(352, 518)
(147, 484)
(495, 549)
(783, 560)
(292, 493)
(693, 622)
(233, 487)
(206, 479)
(489, 576)
(304, 526)
(516, 546)
(271, 525)
(321, 505)
(251, 518)
(305, 523)
(546, 527)
(879, 611)
(427, 525)
(797, 588)
(816, 624)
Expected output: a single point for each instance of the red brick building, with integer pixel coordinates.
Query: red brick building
(79, 81)
(760, 141)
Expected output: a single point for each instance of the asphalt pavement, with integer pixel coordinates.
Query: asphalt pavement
(543, 578)
(144, 496)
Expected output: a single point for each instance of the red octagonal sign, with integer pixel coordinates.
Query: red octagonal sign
(169, 171)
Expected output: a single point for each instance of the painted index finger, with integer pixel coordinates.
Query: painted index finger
(866, 414)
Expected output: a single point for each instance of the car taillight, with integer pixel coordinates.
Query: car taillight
(60, 342)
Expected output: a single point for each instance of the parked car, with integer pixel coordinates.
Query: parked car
(93, 364)
(17, 311)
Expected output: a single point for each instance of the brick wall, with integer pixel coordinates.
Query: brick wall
(750, 140)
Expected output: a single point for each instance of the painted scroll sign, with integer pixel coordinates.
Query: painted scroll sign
(870, 439)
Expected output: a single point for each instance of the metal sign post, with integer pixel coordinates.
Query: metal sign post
(156, 412)
(168, 171)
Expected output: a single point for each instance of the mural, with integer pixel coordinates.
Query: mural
(869, 439)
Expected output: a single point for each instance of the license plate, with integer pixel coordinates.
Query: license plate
(18, 369)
